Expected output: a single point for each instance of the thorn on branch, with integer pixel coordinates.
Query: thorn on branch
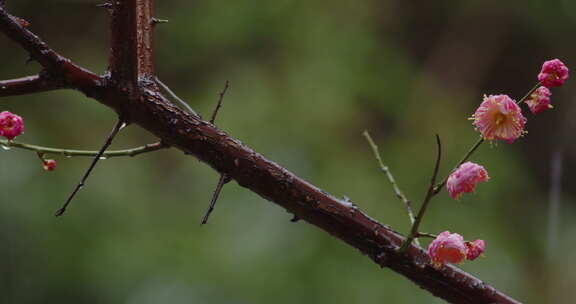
(224, 179)
(106, 5)
(220, 99)
(117, 127)
(156, 20)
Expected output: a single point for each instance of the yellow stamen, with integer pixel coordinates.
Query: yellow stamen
(500, 119)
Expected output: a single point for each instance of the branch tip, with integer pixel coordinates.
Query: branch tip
(220, 99)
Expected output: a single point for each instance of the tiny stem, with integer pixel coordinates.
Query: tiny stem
(219, 104)
(69, 153)
(425, 234)
(224, 179)
(529, 92)
(107, 143)
(429, 194)
(390, 177)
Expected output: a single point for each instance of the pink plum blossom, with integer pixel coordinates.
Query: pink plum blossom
(474, 249)
(11, 125)
(499, 117)
(465, 178)
(553, 73)
(447, 248)
(49, 165)
(539, 100)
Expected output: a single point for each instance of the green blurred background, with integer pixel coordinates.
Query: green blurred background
(307, 77)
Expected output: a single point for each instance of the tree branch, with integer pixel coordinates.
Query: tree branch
(131, 56)
(29, 85)
(53, 62)
(152, 111)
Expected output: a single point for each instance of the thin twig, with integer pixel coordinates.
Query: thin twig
(529, 92)
(173, 95)
(391, 178)
(219, 104)
(119, 125)
(224, 179)
(426, 234)
(429, 194)
(69, 153)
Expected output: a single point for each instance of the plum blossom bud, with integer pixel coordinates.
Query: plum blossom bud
(447, 248)
(49, 165)
(499, 117)
(474, 249)
(553, 73)
(539, 100)
(465, 178)
(11, 125)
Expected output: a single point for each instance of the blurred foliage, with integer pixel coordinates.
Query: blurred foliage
(307, 77)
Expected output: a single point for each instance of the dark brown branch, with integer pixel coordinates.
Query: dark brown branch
(343, 220)
(219, 104)
(251, 170)
(131, 58)
(119, 125)
(224, 179)
(29, 85)
(54, 63)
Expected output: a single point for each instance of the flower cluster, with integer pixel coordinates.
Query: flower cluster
(11, 125)
(498, 117)
(451, 248)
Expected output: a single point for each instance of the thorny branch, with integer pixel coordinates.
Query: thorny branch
(139, 102)
(119, 125)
